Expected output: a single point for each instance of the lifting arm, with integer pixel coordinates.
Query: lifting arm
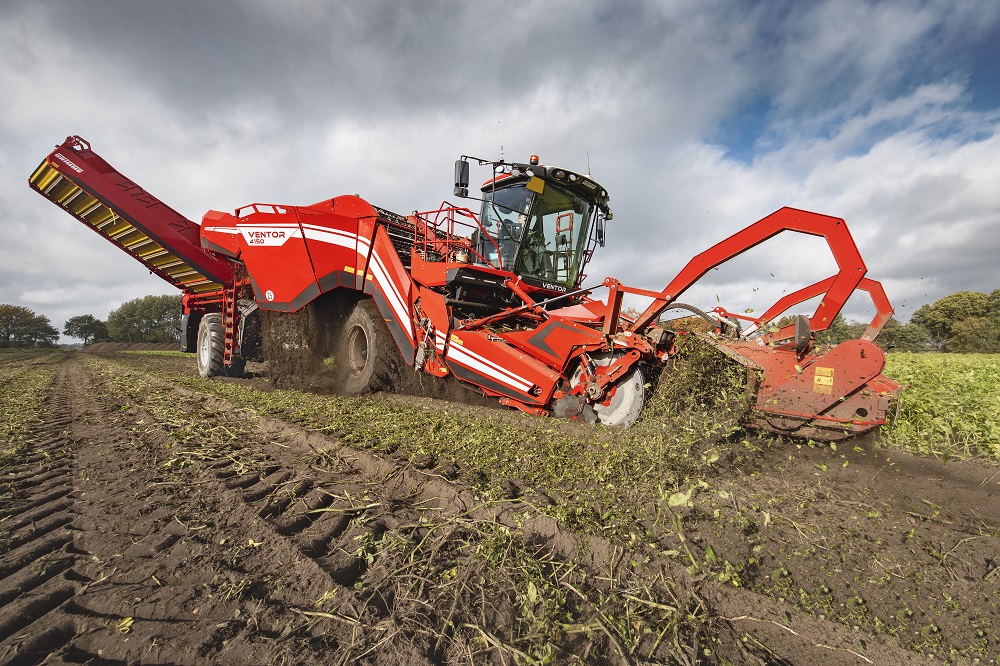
(838, 288)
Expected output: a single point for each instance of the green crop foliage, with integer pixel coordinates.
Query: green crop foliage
(22, 390)
(593, 476)
(950, 404)
(156, 352)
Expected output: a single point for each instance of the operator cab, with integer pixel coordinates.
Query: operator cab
(539, 222)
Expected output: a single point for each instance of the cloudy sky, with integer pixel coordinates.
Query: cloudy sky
(699, 117)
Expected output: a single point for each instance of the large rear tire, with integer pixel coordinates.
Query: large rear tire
(211, 349)
(367, 357)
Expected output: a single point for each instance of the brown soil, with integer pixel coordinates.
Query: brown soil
(128, 540)
(111, 347)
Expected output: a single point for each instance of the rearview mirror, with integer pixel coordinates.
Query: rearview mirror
(461, 178)
(802, 334)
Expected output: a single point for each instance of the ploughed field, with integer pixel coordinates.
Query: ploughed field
(151, 516)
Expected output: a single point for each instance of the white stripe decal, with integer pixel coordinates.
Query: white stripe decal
(395, 300)
(489, 367)
(325, 236)
(498, 368)
(380, 275)
(470, 359)
(462, 357)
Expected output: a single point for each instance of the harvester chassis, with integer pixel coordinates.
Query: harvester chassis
(442, 289)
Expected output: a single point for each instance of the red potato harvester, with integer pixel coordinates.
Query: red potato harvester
(495, 299)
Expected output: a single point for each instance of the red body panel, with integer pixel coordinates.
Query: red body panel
(479, 358)
(293, 254)
(556, 340)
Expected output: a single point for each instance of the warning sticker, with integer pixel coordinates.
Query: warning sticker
(823, 381)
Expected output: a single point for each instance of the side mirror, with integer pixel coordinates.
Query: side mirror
(461, 178)
(802, 334)
(600, 230)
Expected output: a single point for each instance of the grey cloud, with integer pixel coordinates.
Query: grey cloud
(213, 105)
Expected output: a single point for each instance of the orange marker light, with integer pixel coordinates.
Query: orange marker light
(533, 160)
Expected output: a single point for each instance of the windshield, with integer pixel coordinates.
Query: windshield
(555, 237)
(503, 217)
(539, 233)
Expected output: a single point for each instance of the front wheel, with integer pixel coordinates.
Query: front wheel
(623, 402)
(211, 349)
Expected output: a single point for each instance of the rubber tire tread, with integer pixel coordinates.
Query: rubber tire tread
(212, 330)
(383, 366)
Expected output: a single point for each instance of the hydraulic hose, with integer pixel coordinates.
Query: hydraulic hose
(721, 323)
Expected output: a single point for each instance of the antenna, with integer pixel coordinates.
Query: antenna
(500, 132)
(588, 164)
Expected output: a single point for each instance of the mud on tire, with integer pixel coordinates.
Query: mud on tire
(366, 356)
(211, 349)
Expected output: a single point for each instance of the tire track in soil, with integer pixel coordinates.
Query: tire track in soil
(105, 565)
(335, 504)
(129, 569)
(36, 571)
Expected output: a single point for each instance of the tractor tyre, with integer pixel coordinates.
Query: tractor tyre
(367, 358)
(211, 349)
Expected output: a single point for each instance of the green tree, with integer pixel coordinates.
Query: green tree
(86, 327)
(21, 327)
(903, 337)
(975, 334)
(840, 330)
(940, 317)
(147, 319)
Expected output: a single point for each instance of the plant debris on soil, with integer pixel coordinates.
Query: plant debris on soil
(151, 516)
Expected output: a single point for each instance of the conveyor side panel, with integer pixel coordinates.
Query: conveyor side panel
(79, 181)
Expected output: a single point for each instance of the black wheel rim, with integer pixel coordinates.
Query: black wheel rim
(357, 351)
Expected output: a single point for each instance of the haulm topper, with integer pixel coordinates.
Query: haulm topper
(497, 299)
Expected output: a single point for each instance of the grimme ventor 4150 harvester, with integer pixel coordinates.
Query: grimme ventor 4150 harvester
(495, 299)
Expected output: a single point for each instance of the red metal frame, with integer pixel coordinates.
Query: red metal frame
(883, 309)
(442, 232)
(832, 229)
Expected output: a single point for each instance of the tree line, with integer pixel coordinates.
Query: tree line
(21, 328)
(147, 319)
(963, 322)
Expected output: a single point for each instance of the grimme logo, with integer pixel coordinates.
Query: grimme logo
(67, 162)
(268, 236)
